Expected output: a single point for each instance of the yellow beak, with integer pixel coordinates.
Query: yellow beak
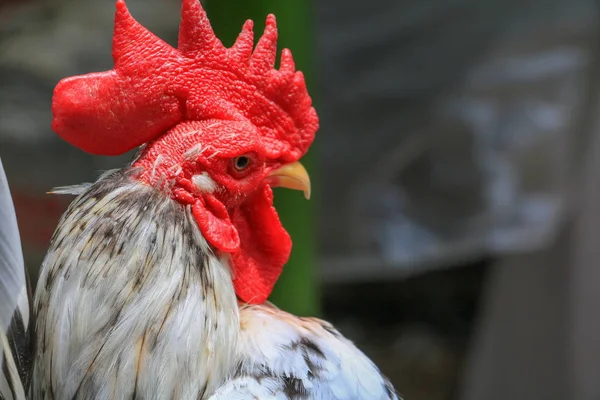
(291, 176)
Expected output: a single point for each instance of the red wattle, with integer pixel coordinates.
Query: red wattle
(214, 223)
(265, 247)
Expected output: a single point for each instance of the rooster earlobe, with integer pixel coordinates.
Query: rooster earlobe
(216, 226)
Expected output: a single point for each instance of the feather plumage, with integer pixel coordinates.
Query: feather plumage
(15, 313)
(285, 357)
(12, 272)
(131, 300)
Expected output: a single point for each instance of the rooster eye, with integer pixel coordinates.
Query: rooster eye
(241, 166)
(241, 163)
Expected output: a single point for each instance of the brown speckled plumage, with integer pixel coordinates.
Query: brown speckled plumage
(124, 267)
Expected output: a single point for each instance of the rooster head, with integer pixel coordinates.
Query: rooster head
(220, 127)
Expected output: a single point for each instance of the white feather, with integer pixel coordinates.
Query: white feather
(12, 267)
(204, 182)
(74, 190)
(193, 152)
(109, 334)
(11, 368)
(13, 287)
(276, 348)
(4, 388)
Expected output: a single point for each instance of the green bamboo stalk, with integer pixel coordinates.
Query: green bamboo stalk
(297, 289)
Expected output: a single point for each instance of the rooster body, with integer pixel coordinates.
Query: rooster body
(133, 303)
(156, 279)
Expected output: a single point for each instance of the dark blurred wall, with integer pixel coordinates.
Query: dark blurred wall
(445, 129)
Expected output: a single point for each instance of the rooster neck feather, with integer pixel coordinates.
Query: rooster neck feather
(132, 299)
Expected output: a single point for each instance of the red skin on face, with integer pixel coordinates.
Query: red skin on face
(230, 100)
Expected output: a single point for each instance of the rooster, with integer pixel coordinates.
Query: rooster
(156, 280)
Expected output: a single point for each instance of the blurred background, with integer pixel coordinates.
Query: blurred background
(454, 230)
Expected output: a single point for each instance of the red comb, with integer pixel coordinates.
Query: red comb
(153, 87)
